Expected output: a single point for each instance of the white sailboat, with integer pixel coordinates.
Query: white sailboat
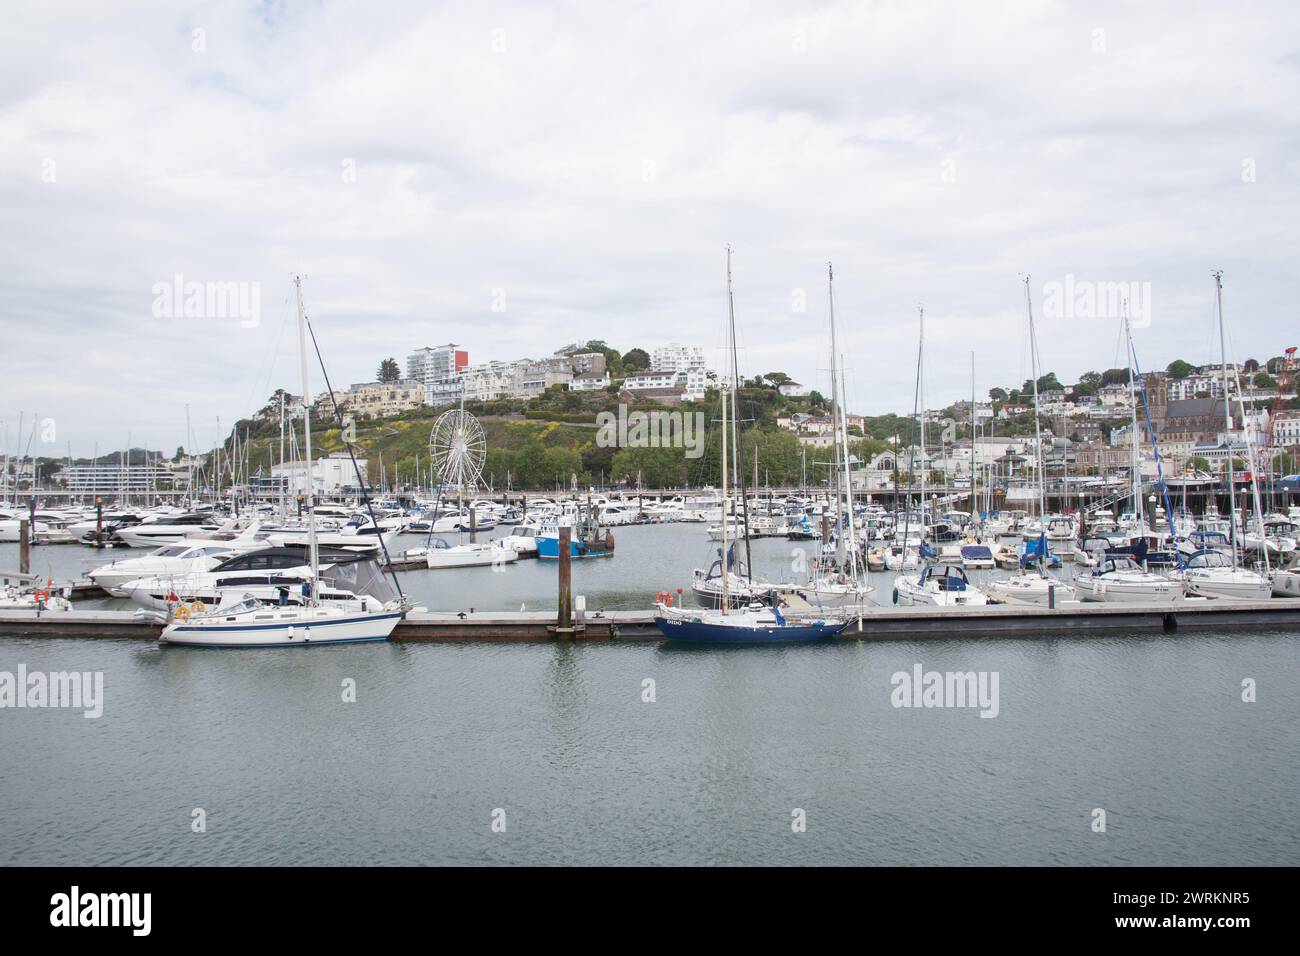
(251, 623)
(943, 585)
(1211, 573)
(1034, 585)
(845, 586)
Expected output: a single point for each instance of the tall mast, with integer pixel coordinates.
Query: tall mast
(1132, 397)
(306, 428)
(735, 419)
(920, 389)
(1039, 462)
(841, 427)
(974, 474)
(1227, 415)
(726, 570)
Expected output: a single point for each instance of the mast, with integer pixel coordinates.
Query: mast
(920, 388)
(306, 429)
(1132, 397)
(841, 428)
(735, 419)
(1227, 414)
(726, 570)
(1039, 462)
(974, 474)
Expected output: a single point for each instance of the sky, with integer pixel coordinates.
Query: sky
(513, 177)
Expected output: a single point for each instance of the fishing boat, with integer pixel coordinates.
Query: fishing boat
(249, 622)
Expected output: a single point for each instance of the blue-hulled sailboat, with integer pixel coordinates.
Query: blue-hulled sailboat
(754, 624)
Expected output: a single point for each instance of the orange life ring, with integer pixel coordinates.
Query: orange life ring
(668, 600)
(41, 596)
(182, 613)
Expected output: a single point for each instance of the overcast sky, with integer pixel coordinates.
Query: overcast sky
(516, 176)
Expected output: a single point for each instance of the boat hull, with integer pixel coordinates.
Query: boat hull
(701, 632)
(343, 630)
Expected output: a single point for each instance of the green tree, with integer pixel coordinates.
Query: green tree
(998, 394)
(1115, 376)
(636, 360)
(1178, 369)
(1199, 464)
(1251, 365)
(1264, 380)
(388, 371)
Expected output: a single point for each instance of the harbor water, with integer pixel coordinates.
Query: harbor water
(637, 752)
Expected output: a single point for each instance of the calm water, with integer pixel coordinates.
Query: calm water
(1150, 728)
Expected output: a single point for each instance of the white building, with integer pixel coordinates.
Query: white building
(1286, 430)
(677, 358)
(330, 475)
(695, 382)
(792, 388)
(431, 366)
(651, 380)
(589, 382)
(492, 380)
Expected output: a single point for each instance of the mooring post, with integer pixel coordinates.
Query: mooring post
(99, 522)
(473, 525)
(564, 619)
(24, 546)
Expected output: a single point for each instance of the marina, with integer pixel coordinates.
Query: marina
(576, 435)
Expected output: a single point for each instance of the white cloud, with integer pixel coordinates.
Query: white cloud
(593, 161)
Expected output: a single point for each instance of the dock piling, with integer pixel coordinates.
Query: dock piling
(564, 619)
(24, 546)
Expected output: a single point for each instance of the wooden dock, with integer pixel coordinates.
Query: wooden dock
(1002, 620)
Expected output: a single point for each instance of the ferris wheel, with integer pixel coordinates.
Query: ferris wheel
(457, 449)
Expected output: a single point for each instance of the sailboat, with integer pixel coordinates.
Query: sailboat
(755, 623)
(1033, 585)
(937, 585)
(248, 622)
(1211, 573)
(1117, 577)
(843, 586)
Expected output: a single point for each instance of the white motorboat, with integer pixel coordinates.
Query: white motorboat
(170, 559)
(156, 530)
(1121, 580)
(1212, 574)
(1030, 587)
(938, 585)
(441, 554)
(262, 572)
